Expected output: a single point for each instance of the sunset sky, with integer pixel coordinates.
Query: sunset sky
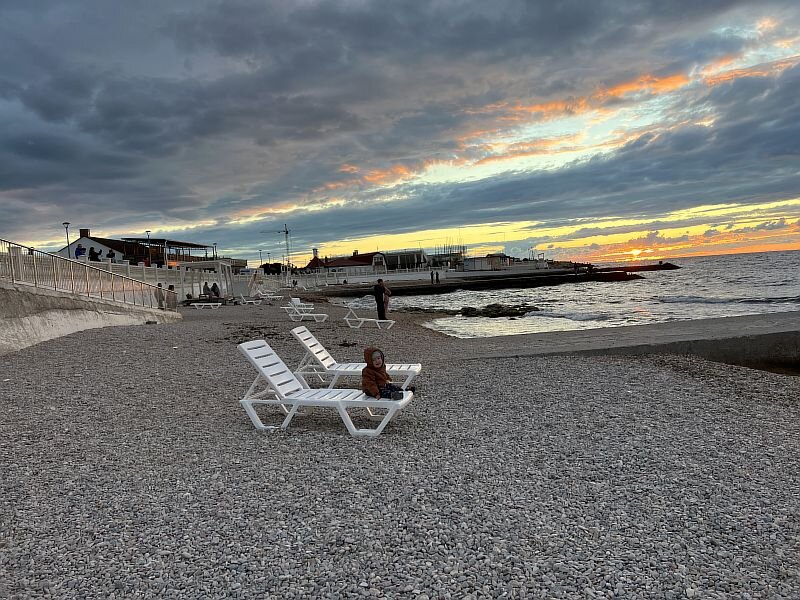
(607, 130)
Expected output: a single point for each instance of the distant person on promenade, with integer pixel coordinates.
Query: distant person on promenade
(94, 255)
(377, 291)
(111, 255)
(437, 277)
(159, 294)
(206, 290)
(375, 380)
(172, 298)
(80, 251)
(431, 277)
(215, 290)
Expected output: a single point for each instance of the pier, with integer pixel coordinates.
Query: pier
(500, 280)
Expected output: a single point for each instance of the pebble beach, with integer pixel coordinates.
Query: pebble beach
(129, 470)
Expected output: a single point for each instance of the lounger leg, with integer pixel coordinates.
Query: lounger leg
(307, 363)
(289, 416)
(355, 432)
(348, 422)
(303, 362)
(373, 414)
(253, 386)
(407, 381)
(251, 412)
(334, 380)
(385, 421)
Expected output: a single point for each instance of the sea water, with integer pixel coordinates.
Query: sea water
(704, 287)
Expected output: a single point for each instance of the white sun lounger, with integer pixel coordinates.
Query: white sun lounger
(267, 296)
(318, 362)
(211, 305)
(275, 385)
(255, 302)
(307, 306)
(298, 314)
(355, 322)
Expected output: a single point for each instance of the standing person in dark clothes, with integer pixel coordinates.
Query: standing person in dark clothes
(159, 294)
(437, 276)
(377, 291)
(431, 277)
(171, 301)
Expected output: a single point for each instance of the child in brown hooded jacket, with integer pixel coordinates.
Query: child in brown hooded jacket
(375, 380)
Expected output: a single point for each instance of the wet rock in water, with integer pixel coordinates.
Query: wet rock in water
(496, 310)
(420, 309)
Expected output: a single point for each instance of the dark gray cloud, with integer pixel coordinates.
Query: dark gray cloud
(767, 226)
(194, 110)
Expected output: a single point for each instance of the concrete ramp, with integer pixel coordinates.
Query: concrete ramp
(772, 338)
(30, 315)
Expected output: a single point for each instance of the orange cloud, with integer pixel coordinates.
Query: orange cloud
(555, 145)
(766, 24)
(548, 110)
(644, 84)
(721, 242)
(506, 115)
(719, 64)
(763, 70)
(787, 43)
(393, 174)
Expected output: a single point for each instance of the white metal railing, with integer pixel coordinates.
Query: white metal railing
(28, 266)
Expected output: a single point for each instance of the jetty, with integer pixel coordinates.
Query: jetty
(494, 280)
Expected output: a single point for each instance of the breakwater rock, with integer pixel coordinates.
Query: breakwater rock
(493, 311)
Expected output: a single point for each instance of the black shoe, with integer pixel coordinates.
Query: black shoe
(411, 389)
(397, 395)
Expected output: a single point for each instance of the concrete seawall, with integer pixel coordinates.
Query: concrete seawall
(754, 340)
(30, 315)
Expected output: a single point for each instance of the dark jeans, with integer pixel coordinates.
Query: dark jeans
(381, 308)
(390, 388)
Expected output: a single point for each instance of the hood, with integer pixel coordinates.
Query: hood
(368, 352)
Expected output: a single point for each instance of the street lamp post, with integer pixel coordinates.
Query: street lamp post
(260, 261)
(215, 250)
(149, 251)
(66, 231)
